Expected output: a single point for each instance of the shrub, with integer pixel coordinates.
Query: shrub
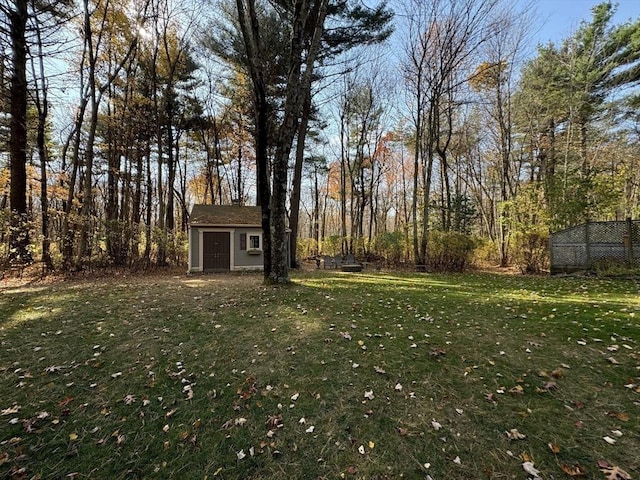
(450, 251)
(531, 251)
(306, 247)
(390, 245)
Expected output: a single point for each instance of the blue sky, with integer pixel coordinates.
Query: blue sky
(559, 18)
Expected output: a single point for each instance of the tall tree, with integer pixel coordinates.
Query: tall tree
(566, 91)
(495, 82)
(443, 37)
(305, 21)
(17, 15)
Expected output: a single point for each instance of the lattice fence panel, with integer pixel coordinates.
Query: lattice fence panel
(589, 245)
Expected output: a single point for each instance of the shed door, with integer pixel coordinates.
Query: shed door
(216, 251)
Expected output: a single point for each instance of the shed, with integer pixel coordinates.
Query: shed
(225, 238)
(593, 244)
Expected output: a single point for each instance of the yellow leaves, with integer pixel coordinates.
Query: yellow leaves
(488, 75)
(73, 436)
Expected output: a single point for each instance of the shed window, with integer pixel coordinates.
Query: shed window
(254, 241)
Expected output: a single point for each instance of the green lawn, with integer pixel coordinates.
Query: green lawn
(371, 375)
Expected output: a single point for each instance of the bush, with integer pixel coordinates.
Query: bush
(531, 251)
(486, 252)
(306, 247)
(332, 245)
(391, 246)
(450, 251)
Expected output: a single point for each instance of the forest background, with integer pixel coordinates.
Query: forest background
(424, 133)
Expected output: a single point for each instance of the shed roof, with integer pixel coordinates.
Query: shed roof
(225, 215)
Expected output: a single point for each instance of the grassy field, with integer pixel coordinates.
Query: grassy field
(373, 376)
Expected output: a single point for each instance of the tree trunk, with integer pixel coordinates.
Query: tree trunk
(42, 106)
(19, 237)
(297, 179)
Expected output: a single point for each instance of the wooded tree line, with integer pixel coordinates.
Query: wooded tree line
(118, 116)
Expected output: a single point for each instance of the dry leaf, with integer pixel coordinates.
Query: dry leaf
(514, 434)
(612, 472)
(554, 447)
(10, 411)
(613, 361)
(531, 470)
(609, 440)
(525, 457)
(517, 390)
(573, 471)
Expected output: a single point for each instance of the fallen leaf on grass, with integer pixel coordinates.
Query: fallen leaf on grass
(609, 440)
(274, 421)
(490, 397)
(530, 468)
(573, 471)
(622, 416)
(369, 395)
(525, 457)
(612, 472)
(554, 447)
(514, 434)
(613, 361)
(517, 390)
(66, 401)
(10, 410)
